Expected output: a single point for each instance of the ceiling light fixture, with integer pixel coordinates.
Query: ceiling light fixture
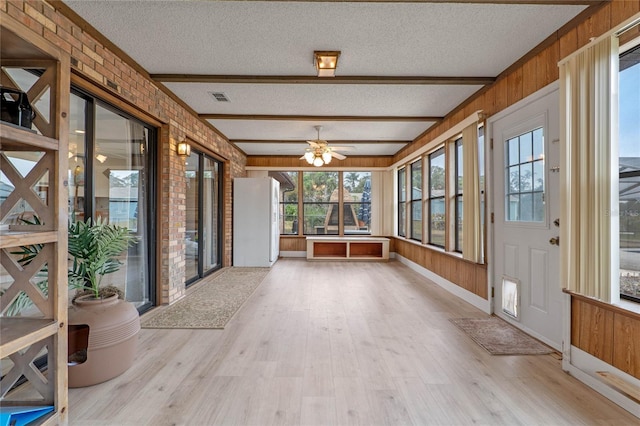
(326, 62)
(320, 153)
(318, 156)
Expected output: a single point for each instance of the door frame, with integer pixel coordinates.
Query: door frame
(200, 223)
(489, 194)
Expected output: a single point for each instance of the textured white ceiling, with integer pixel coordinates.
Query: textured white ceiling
(324, 99)
(298, 148)
(286, 130)
(278, 38)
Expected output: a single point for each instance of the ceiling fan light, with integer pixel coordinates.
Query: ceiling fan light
(326, 157)
(318, 162)
(308, 155)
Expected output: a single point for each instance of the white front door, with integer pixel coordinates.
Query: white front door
(526, 258)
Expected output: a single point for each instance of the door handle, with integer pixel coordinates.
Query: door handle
(555, 241)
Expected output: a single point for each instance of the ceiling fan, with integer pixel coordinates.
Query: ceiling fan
(320, 153)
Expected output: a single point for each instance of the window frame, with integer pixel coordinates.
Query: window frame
(626, 174)
(457, 194)
(402, 201)
(283, 204)
(416, 200)
(440, 151)
(90, 117)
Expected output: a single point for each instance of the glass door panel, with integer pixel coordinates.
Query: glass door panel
(202, 239)
(210, 216)
(192, 249)
(120, 183)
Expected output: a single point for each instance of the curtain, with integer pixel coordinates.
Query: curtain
(471, 225)
(589, 170)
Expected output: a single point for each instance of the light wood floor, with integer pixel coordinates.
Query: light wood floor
(339, 344)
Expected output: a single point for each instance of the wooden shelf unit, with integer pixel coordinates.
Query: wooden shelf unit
(347, 248)
(25, 338)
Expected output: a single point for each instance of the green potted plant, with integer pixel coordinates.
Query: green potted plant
(103, 327)
(93, 248)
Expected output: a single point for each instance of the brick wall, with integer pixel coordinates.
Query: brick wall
(94, 60)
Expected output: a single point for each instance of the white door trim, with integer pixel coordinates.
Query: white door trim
(489, 193)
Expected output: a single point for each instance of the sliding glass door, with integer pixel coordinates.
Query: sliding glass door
(111, 170)
(203, 236)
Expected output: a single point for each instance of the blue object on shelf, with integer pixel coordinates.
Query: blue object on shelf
(20, 416)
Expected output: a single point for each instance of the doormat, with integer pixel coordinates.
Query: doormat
(212, 304)
(499, 337)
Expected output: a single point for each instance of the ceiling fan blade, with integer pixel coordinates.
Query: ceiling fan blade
(338, 156)
(343, 148)
(314, 144)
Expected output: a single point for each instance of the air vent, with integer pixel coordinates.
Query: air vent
(219, 96)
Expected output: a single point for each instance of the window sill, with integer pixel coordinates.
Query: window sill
(629, 305)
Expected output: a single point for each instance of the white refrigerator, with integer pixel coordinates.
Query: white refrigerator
(256, 227)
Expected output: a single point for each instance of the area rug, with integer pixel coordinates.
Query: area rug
(499, 337)
(212, 304)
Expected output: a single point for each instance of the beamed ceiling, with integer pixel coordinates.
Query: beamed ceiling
(404, 65)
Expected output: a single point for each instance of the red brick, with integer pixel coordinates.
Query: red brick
(66, 36)
(55, 39)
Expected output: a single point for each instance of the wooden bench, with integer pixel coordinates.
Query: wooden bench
(347, 248)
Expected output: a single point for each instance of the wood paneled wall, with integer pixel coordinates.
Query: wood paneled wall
(295, 163)
(607, 332)
(293, 243)
(468, 275)
(534, 71)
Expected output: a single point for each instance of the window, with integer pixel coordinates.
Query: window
(525, 177)
(356, 188)
(288, 203)
(629, 163)
(402, 202)
(320, 203)
(436, 199)
(416, 200)
(458, 196)
(333, 203)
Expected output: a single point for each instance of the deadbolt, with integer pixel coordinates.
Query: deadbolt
(555, 241)
(557, 222)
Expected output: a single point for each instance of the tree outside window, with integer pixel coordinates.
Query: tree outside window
(357, 203)
(436, 201)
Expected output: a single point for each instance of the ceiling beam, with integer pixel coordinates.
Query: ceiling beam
(331, 141)
(385, 118)
(308, 79)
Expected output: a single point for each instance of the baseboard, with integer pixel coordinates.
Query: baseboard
(477, 301)
(584, 366)
(293, 254)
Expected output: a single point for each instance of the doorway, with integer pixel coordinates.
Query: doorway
(526, 257)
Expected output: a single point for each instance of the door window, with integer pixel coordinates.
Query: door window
(525, 177)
